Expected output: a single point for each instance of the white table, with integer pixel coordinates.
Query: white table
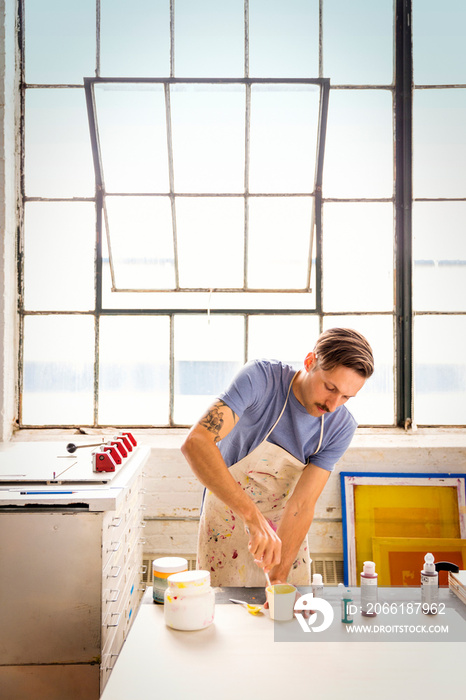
(237, 657)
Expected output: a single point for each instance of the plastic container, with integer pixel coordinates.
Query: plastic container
(163, 568)
(346, 600)
(317, 586)
(368, 589)
(189, 601)
(429, 586)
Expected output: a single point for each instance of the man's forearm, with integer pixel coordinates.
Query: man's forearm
(206, 461)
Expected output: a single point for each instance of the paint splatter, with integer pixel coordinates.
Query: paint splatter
(234, 555)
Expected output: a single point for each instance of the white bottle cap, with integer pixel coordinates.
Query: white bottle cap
(429, 565)
(369, 568)
(317, 578)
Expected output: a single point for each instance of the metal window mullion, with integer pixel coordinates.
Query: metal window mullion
(172, 38)
(171, 177)
(171, 373)
(98, 15)
(247, 153)
(403, 212)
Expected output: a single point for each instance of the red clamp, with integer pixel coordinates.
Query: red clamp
(130, 437)
(102, 461)
(115, 452)
(120, 445)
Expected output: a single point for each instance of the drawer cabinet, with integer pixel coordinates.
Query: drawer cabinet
(70, 588)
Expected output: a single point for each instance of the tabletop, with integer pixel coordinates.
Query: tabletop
(241, 655)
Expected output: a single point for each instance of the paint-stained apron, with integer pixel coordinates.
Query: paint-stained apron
(268, 475)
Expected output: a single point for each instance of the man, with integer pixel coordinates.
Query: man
(265, 450)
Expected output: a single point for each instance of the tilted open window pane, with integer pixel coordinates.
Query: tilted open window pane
(133, 137)
(279, 242)
(141, 242)
(210, 234)
(208, 138)
(206, 159)
(284, 125)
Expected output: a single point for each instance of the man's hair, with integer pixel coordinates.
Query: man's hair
(344, 347)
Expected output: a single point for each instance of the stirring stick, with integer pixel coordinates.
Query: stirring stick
(267, 578)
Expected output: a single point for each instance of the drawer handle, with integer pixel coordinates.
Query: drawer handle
(142, 490)
(116, 522)
(118, 568)
(115, 598)
(143, 569)
(110, 668)
(141, 541)
(117, 615)
(142, 524)
(142, 507)
(116, 548)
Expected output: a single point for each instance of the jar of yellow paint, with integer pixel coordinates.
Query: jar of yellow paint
(189, 601)
(162, 568)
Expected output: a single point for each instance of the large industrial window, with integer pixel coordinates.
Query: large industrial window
(178, 222)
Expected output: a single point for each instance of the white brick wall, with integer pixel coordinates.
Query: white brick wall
(173, 491)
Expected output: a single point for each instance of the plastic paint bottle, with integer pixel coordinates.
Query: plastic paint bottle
(346, 600)
(368, 589)
(317, 586)
(163, 568)
(429, 586)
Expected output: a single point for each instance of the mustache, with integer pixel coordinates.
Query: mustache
(323, 408)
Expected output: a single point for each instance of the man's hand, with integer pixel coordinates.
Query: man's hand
(264, 543)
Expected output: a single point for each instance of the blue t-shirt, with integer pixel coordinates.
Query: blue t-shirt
(257, 395)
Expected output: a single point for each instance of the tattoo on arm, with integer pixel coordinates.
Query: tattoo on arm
(213, 419)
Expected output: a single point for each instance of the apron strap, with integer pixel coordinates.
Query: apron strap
(283, 409)
(321, 436)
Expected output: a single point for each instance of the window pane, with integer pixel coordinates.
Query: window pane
(59, 41)
(134, 370)
(439, 370)
(358, 257)
(285, 338)
(284, 38)
(279, 239)
(375, 403)
(133, 137)
(141, 238)
(439, 49)
(135, 38)
(209, 350)
(439, 143)
(58, 156)
(283, 138)
(210, 233)
(58, 375)
(208, 138)
(59, 231)
(359, 146)
(209, 39)
(358, 42)
(439, 253)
